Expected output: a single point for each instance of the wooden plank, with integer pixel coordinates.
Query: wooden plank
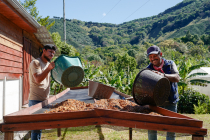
(10, 57)
(5, 69)
(9, 63)
(11, 51)
(26, 89)
(60, 94)
(38, 106)
(148, 118)
(167, 112)
(155, 126)
(9, 136)
(75, 88)
(122, 94)
(50, 124)
(50, 116)
(10, 75)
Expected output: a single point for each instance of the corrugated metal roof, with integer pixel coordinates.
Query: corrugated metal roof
(43, 36)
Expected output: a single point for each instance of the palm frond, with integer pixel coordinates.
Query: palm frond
(183, 84)
(196, 74)
(197, 66)
(199, 82)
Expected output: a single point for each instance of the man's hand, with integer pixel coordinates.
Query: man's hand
(159, 73)
(40, 77)
(51, 66)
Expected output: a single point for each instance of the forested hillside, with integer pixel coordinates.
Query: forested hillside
(114, 54)
(189, 15)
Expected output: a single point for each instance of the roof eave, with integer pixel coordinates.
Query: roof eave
(24, 13)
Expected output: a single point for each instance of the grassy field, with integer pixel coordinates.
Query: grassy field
(107, 132)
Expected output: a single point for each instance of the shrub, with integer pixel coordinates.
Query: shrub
(201, 108)
(190, 98)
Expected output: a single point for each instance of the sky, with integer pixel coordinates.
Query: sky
(104, 11)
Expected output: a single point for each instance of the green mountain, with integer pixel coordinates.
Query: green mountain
(189, 15)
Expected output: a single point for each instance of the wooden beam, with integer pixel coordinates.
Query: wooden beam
(166, 112)
(130, 133)
(155, 126)
(50, 124)
(172, 119)
(50, 116)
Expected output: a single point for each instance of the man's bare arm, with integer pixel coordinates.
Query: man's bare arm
(171, 77)
(40, 77)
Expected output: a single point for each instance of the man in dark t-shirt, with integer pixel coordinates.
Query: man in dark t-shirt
(168, 69)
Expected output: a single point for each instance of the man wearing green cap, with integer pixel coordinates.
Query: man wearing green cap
(39, 78)
(168, 69)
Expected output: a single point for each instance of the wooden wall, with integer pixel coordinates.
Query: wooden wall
(35, 45)
(10, 50)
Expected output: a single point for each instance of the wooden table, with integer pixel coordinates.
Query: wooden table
(170, 121)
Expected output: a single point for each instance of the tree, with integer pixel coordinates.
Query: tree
(63, 47)
(29, 5)
(197, 51)
(132, 53)
(125, 62)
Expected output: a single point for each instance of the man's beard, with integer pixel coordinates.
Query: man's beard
(47, 58)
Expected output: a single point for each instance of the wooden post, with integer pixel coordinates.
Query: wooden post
(9, 135)
(58, 132)
(58, 129)
(195, 137)
(130, 133)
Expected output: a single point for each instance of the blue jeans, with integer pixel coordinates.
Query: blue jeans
(152, 134)
(35, 134)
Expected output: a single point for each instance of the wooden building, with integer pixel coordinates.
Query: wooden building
(21, 38)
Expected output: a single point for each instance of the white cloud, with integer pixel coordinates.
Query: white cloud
(104, 14)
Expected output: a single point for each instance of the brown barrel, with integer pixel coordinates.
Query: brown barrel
(150, 88)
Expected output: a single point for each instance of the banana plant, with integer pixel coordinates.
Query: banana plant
(185, 69)
(91, 73)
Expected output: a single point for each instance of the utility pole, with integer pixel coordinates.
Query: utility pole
(64, 21)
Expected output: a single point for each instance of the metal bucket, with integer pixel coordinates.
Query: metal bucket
(68, 71)
(150, 88)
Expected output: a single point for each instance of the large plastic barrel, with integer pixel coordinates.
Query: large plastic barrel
(68, 71)
(150, 88)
